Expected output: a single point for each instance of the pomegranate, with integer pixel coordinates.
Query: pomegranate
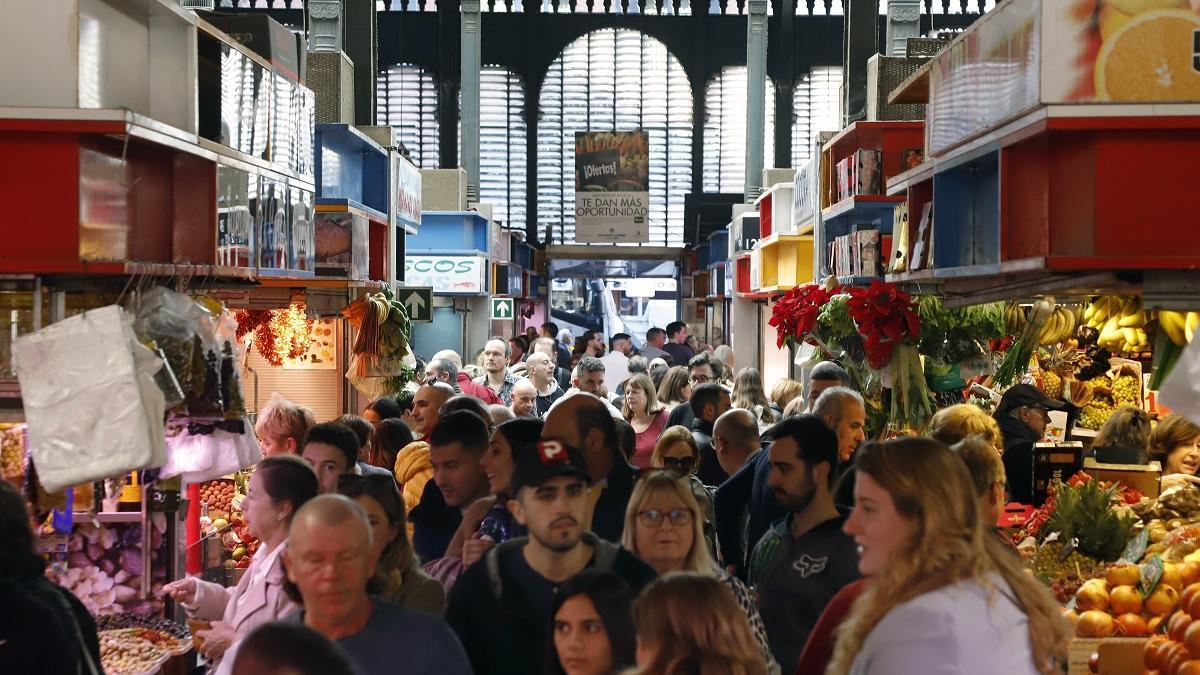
(1132, 625)
(1091, 597)
(1162, 600)
(1095, 624)
(1125, 600)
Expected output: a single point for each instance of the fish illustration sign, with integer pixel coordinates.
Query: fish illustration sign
(447, 274)
(612, 193)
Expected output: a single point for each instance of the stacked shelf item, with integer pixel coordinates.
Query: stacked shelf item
(784, 253)
(202, 166)
(1040, 173)
(718, 262)
(855, 225)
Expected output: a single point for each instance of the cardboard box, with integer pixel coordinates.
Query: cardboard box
(1142, 477)
(1118, 656)
(1054, 461)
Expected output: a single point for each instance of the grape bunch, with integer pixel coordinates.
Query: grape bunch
(1096, 413)
(1126, 390)
(12, 450)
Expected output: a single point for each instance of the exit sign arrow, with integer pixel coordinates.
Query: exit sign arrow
(418, 300)
(502, 308)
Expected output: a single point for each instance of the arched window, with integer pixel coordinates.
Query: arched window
(615, 80)
(503, 153)
(406, 98)
(816, 107)
(725, 130)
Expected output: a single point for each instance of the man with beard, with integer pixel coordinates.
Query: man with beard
(501, 606)
(804, 559)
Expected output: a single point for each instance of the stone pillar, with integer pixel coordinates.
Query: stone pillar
(470, 65)
(756, 91)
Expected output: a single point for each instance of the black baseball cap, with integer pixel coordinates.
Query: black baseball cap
(548, 458)
(1026, 395)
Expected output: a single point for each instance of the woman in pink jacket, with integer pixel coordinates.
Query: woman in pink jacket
(279, 486)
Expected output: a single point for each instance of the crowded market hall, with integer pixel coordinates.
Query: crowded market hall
(600, 337)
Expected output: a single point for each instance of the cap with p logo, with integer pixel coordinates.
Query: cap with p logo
(552, 452)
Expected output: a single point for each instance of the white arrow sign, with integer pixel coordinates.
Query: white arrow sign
(502, 308)
(418, 301)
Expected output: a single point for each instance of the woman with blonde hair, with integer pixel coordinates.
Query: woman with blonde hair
(281, 426)
(675, 388)
(724, 354)
(943, 590)
(784, 391)
(748, 394)
(689, 624)
(1175, 445)
(646, 415)
(663, 527)
(953, 424)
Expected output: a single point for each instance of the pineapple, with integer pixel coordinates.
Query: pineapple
(1085, 513)
(1052, 384)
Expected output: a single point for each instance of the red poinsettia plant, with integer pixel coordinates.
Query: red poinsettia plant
(885, 316)
(795, 314)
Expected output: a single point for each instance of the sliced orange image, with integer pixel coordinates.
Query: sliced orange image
(1111, 19)
(1150, 58)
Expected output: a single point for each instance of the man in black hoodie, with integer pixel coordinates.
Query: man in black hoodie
(501, 606)
(1022, 416)
(709, 401)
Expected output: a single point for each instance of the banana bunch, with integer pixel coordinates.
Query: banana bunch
(1121, 322)
(1014, 319)
(1058, 327)
(1179, 326)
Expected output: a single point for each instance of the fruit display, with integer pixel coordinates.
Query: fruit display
(218, 494)
(1112, 604)
(1121, 322)
(1177, 649)
(12, 450)
(1058, 327)
(130, 620)
(1180, 327)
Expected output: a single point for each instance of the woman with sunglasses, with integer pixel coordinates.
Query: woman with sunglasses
(398, 578)
(663, 527)
(676, 450)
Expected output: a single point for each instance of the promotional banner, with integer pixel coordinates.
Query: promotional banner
(612, 187)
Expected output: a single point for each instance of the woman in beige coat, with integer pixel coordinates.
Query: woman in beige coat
(279, 486)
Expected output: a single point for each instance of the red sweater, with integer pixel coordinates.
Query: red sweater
(479, 391)
(818, 651)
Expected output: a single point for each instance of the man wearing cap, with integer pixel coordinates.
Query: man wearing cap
(1022, 415)
(501, 606)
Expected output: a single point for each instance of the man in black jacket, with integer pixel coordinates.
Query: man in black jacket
(585, 422)
(501, 606)
(1022, 416)
(709, 401)
(455, 446)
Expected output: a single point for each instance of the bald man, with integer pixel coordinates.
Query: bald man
(583, 421)
(524, 399)
(329, 558)
(735, 439)
(465, 385)
(426, 403)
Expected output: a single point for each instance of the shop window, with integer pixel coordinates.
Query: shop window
(615, 80)
(406, 99)
(816, 107)
(503, 153)
(725, 130)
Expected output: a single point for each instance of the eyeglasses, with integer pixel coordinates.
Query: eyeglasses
(701, 379)
(677, 517)
(679, 462)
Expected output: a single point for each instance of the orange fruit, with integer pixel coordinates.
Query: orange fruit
(1138, 6)
(1149, 58)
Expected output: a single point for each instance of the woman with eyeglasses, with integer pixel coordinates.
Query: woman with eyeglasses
(646, 415)
(675, 388)
(398, 578)
(663, 527)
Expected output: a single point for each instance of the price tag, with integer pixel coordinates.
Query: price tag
(1152, 571)
(1136, 547)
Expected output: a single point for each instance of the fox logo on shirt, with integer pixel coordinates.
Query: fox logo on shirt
(808, 566)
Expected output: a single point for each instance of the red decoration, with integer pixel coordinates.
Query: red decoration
(885, 316)
(278, 333)
(795, 314)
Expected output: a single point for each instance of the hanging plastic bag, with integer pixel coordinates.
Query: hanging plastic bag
(202, 451)
(90, 399)
(1181, 390)
(183, 330)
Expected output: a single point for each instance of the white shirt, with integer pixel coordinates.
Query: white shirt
(616, 369)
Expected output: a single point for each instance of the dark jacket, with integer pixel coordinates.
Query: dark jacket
(44, 628)
(1018, 457)
(745, 496)
(496, 620)
(608, 518)
(680, 354)
(681, 415)
(544, 401)
(710, 472)
(1115, 454)
(434, 524)
(563, 376)
(843, 489)
(562, 356)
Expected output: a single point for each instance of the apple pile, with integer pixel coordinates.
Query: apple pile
(1113, 606)
(1178, 651)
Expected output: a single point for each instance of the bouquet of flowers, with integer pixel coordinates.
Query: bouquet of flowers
(794, 316)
